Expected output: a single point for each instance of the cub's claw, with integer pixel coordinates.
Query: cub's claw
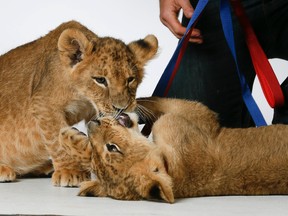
(69, 178)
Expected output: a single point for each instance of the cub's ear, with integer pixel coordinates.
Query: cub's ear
(73, 46)
(144, 49)
(160, 189)
(154, 185)
(92, 189)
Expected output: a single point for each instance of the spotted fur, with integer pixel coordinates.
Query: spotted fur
(53, 82)
(190, 155)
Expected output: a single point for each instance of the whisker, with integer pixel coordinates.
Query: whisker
(95, 117)
(128, 104)
(145, 114)
(117, 113)
(145, 111)
(134, 66)
(146, 100)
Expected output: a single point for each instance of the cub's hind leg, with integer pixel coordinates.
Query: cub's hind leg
(7, 174)
(72, 161)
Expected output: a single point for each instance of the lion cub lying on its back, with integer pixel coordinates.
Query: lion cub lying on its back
(190, 155)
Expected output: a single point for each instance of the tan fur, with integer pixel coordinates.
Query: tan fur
(56, 81)
(190, 155)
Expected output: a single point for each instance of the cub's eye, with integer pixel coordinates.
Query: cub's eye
(100, 80)
(130, 79)
(113, 148)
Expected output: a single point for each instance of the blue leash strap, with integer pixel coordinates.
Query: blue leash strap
(226, 19)
(163, 84)
(166, 79)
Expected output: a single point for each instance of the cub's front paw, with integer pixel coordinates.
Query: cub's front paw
(76, 144)
(7, 174)
(69, 178)
(72, 138)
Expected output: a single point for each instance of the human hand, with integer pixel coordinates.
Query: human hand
(169, 11)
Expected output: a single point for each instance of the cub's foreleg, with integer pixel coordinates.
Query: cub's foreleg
(150, 109)
(72, 160)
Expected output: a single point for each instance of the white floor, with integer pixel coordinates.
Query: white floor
(39, 197)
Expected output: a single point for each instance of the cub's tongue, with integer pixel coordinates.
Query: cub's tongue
(125, 120)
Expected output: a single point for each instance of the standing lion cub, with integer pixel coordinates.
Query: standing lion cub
(56, 81)
(190, 155)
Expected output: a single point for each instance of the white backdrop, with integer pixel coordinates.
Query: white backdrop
(26, 20)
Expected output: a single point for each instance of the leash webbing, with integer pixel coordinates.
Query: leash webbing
(269, 83)
(226, 19)
(169, 73)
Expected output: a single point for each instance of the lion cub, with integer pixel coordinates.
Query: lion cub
(190, 155)
(55, 82)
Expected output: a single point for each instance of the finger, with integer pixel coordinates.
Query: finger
(196, 36)
(198, 40)
(176, 28)
(187, 8)
(169, 17)
(179, 31)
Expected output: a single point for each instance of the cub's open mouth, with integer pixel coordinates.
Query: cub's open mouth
(125, 120)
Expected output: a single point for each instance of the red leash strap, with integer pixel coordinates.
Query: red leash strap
(177, 64)
(269, 83)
